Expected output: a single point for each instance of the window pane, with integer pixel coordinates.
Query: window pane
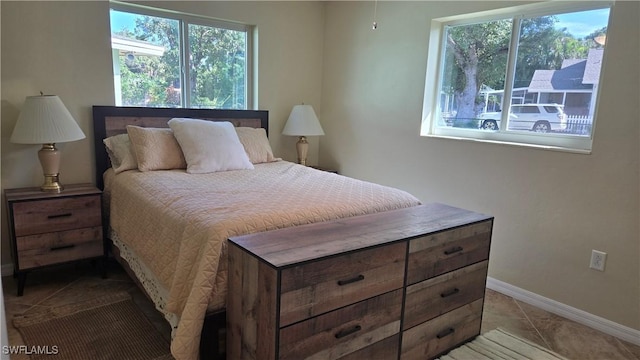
(553, 74)
(474, 69)
(146, 60)
(217, 67)
(559, 59)
(531, 110)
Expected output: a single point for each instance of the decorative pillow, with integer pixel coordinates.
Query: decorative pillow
(209, 146)
(256, 144)
(121, 153)
(156, 148)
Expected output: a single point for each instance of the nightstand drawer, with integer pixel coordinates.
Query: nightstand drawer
(50, 215)
(437, 254)
(436, 296)
(321, 286)
(434, 337)
(343, 331)
(58, 247)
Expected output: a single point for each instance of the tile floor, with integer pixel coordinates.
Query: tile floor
(63, 285)
(566, 337)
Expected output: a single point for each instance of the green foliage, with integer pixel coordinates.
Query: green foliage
(217, 68)
(591, 38)
(141, 81)
(542, 47)
(480, 49)
(216, 61)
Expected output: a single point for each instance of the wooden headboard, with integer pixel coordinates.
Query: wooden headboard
(113, 120)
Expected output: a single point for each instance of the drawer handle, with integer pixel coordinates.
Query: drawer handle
(446, 332)
(345, 332)
(453, 250)
(450, 292)
(62, 247)
(59, 216)
(352, 280)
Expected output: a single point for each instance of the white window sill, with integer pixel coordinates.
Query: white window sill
(501, 142)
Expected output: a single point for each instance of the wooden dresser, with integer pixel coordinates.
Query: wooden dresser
(402, 284)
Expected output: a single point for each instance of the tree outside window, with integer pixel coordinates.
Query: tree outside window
(488, 65)
(154, 59)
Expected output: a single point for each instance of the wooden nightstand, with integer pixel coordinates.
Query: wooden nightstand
(50, 228)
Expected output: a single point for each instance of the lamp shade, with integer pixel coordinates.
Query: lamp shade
(303, 122)
(45, 120)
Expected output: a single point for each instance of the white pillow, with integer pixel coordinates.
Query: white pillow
(209, 146)
(121, 153)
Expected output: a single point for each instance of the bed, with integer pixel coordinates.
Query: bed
(168, 223)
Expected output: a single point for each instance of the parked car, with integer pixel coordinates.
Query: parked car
(534, 117)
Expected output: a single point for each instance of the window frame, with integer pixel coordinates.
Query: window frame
(184, 20)
(434, 79)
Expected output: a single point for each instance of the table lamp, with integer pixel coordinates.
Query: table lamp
(302, 122)
(45, 120)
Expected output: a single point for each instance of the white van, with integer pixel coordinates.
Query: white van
(534, 117)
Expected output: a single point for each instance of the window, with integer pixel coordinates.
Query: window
(163, 59)
(528, 75)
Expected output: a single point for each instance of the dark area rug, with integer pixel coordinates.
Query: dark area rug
(111, 327)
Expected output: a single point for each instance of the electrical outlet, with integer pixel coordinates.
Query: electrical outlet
(598, 259)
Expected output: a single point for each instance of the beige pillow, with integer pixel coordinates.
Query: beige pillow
(256, 144)
(121, 153)
(156, 148)
(209, 146)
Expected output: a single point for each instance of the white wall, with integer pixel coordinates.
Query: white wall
(57, 48)
(550, 208)
(63, 48)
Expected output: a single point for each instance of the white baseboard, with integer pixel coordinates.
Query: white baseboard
(582, 317)
(6, 269)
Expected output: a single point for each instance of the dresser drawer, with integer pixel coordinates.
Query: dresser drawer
(343, 331)
(434, 337)
(439, 253)
(317, 287)
(58, 247)
(382, 350)
(436, 296)
(50, 215)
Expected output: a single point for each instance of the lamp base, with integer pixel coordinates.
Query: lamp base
(50, 160)
(52, 183)
(303, 148)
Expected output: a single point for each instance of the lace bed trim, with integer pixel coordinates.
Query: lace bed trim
(150, 283)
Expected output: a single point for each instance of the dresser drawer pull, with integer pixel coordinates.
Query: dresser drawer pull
(352, 280)
(450, 292)
(59, 216)
(453, 250)
(61, 247)
(446, 332)
(345, 332)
